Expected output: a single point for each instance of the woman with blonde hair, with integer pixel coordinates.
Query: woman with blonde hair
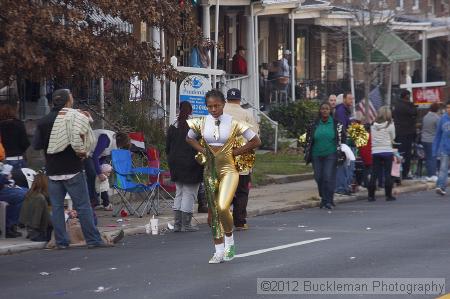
(383, 134)
(35, 213)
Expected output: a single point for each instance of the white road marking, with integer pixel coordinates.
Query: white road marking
(280, 247)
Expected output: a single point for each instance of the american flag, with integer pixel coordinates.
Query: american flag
(375, 102)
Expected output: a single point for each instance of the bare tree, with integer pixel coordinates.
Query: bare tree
(95, 38)
(371, 20)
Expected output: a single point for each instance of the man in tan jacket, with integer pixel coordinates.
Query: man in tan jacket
(233, 108)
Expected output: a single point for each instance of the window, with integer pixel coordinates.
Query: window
(416, 4)
(399, 4)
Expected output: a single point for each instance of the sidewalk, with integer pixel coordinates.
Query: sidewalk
(263, 200)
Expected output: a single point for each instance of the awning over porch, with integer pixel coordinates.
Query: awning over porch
(389, 48)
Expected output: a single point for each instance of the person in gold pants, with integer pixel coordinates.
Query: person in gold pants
(218, 139)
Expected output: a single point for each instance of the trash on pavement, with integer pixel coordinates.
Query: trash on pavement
(75, 269)
(101, 289)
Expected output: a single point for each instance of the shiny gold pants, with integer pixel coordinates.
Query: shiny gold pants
(227, 188)
(221, 181)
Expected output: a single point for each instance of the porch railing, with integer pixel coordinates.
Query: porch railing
(243, 83)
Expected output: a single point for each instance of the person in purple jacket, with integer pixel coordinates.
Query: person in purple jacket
(344, 175)
(106, 141)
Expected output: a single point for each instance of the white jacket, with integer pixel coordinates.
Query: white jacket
(71, 128)
(383, 136)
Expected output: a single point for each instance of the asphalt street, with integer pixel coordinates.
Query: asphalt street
(408, 238)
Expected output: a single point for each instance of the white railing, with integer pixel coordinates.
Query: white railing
(229, 81)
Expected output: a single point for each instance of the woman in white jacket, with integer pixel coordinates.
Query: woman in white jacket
(383, 135)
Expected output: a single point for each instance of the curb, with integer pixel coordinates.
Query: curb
(6, 250)
(289, 178)
(202, 218)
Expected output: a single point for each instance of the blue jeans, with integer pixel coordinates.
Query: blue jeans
(14, 197)
(77, 189)
(443, 172)
(430, 161)
(16, 164)
(344, 177)
(90, 177)
(325, 176)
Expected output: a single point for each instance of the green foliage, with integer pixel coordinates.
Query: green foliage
(137, 116)
(282, 163)
(267, 134)
(296, 116)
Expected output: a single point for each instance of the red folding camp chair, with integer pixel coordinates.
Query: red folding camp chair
(165, 179)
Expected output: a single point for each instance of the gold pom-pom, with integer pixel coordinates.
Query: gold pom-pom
(302, 139)
(200, 158)
(358, 134)
(245, 161)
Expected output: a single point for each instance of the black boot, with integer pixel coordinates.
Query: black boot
(388, 192)
(186, 223)
(371, 190)
(201, 196)
(12, 233)
(177, 221)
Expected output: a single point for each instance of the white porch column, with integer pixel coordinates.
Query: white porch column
(216, 38)
(206, 26)
(323, 56)
(293, 81)
(256, 64)
(233, 33)
(173, 95)
(424, 56)
(250, 53)
(350, 56)
(156, 39)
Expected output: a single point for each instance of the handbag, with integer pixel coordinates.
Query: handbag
(341, 157)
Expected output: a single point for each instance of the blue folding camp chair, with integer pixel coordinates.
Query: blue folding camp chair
(127, 183)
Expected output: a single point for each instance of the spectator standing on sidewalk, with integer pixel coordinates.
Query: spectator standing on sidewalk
(345, 171)
(240, 200)
(105, 142)
(184, 170)
(383, 135)
(323, 142)
(14, 136)
(441, 149)
(405, 115)
(429, 127)
(332, 101)
(66, 137)
(239, 64)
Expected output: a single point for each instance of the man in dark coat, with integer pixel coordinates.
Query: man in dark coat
(345, 171)
(405, 117)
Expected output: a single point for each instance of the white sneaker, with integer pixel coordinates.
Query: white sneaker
(431, 179)
(217, 258)
(440, 191)
(108, 207)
